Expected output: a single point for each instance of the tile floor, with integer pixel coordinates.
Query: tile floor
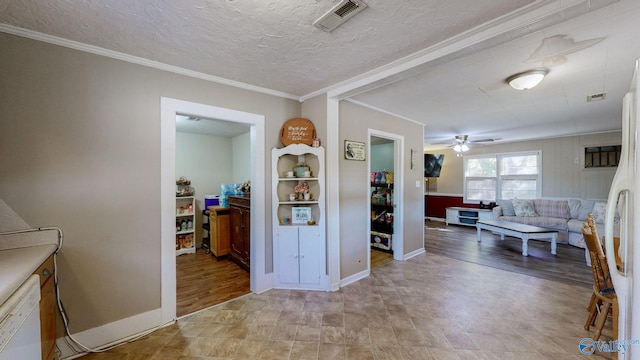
(429, 307)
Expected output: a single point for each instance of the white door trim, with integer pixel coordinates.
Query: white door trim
(397, 243)
(168, 110)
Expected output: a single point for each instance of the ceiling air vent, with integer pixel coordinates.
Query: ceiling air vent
(339, 14)
(596, 97)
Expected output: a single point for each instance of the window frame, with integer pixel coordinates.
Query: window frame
(499, 178)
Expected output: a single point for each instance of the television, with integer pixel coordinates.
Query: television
(433, 164)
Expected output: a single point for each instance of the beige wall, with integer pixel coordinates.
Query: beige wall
(80, 149)
(561, 176)
(315, 109)
(354, 186)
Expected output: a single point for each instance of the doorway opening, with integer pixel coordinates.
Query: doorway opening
(385, 242)
(213, 156)
(170, 108)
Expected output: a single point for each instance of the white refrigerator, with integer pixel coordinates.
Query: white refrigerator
(623, 200)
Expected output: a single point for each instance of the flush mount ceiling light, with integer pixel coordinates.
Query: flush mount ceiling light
(526, 80)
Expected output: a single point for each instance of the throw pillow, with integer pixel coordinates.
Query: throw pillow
(507, 207)
(523, 207)
(574, 208)
(585, 209)
(599, 210)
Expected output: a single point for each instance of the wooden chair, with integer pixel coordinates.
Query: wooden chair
(603, 300)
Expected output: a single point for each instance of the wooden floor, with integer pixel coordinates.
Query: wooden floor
(379, 258)
(202, 281)
(460, 242)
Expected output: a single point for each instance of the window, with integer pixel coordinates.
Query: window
(502, 176)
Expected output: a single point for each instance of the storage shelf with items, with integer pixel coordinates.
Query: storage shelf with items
(298, 200)
(466, 216)
(382, 210)
(185, 225)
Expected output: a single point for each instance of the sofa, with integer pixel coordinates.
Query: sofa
(566, 216)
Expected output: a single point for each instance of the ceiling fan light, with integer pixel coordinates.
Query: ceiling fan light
(457, 148)
(527, 80)
(464, 148)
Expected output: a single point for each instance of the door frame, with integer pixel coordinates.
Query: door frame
(169, 108)
(397, 243)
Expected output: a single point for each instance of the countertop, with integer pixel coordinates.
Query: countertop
(16, 265)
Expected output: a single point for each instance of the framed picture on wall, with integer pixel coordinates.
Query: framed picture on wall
(354, 150)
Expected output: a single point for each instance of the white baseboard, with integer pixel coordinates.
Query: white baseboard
(111, 334)
(355, 277)
(414, 253)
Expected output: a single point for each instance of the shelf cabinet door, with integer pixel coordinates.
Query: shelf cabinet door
(299, 249)
(309, 246)
(237, 233)
(239, 208)
(288, 251)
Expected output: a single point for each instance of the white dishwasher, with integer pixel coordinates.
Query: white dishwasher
(20, 323)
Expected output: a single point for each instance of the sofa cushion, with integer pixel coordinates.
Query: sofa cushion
(575, 225)
(574, 208)
(523, 208)
(552, 208)
(542, 221)
(599, 210)
(585, 208)
(507, 207)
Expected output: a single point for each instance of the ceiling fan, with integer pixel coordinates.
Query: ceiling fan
(462, 143)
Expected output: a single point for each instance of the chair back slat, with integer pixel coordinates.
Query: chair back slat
(599, 266)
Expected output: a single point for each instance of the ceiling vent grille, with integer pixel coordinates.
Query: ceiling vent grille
(339, 14)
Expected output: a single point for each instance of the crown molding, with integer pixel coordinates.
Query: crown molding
(368, 106)
(34, 35)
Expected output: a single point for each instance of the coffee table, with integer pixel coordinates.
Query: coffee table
(522, 231)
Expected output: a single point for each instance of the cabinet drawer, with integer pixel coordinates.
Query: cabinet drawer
(45, 270)
(239, 201)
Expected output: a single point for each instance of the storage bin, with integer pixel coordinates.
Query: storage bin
(473, 214)
(211, 200)
(381, 240)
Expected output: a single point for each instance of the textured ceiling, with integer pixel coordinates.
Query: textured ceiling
(271, 44)
(441, 63)
(591, 54)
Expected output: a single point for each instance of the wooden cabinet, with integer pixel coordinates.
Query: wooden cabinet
(219, 231)
(240, 212)
(185, 225)
(47, 308)
(299, 221)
